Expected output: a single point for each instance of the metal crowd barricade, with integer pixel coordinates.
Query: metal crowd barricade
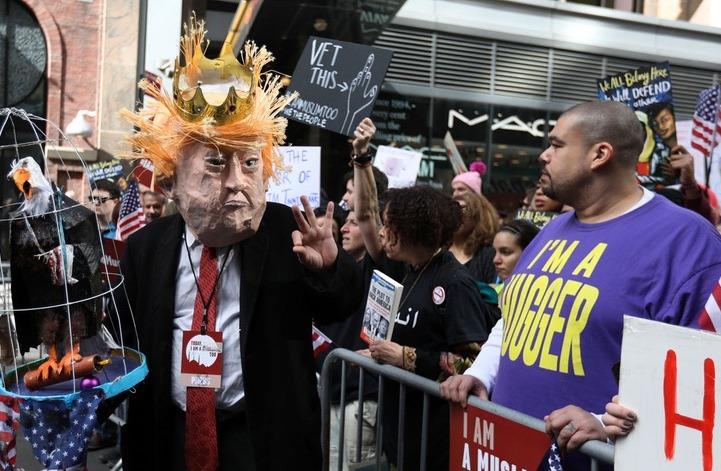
(596, 450)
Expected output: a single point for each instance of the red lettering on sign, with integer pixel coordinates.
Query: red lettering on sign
(673, 418)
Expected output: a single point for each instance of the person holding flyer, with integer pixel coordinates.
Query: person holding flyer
(441, 320)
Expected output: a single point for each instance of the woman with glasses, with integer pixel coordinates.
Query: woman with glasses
(104, 199)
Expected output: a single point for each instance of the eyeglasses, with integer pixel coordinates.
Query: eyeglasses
(98, 200)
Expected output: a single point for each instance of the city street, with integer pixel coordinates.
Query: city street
(453, 235)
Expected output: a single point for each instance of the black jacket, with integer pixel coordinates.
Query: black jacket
(279, 297)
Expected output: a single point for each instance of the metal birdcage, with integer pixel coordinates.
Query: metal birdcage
(62, 302)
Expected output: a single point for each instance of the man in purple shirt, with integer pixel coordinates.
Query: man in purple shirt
(623, 251)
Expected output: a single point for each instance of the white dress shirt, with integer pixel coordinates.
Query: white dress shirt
(227, 320)
(485, 366)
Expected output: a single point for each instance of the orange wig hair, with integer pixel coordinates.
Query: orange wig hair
(162, 131)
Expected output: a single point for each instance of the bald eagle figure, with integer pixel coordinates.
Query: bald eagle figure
(55, 268)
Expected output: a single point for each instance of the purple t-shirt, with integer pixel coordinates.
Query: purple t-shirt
(563, 308)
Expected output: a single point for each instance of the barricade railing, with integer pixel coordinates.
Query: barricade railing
(596, 450)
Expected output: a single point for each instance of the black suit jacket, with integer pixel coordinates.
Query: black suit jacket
(279, 297)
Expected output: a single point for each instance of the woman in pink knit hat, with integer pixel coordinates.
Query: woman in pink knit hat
(469, 181)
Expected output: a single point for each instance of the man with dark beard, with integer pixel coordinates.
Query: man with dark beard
(623, 251)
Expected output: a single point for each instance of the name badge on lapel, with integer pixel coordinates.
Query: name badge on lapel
(201, 364)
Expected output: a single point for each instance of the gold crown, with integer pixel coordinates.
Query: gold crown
(222, 89)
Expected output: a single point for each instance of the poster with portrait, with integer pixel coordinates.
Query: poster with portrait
(647, 90)
(381, 309)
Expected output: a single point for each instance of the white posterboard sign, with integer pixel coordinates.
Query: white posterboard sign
(454, 157)
(668, 378)
(400, 165)
(302, 178)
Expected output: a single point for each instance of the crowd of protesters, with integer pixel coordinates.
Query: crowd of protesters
(494, 308)
(531, 320)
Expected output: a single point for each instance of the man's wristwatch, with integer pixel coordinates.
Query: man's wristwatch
(362, 160)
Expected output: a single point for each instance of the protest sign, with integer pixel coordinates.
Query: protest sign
(399, 165)
(535, 217)
(647, 91)
(107, 169)
(668, 378)
(301, 178)
(482, 441)
(143, 172)
(381, 309)
(375, 15)
(454, 157)
(338, 83)
(110, 262)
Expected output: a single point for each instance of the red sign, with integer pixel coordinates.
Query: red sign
(143, 172)
(112, 253)
(481, 440)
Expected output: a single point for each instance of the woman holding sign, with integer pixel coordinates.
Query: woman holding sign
(441, 322)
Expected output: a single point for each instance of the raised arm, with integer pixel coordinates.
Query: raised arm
(365, 194)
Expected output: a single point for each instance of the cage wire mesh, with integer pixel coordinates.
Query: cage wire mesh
(56, 291)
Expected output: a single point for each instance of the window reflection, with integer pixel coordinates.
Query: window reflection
(22, 85)
(467, 123)
(518, 138)
(507, 139)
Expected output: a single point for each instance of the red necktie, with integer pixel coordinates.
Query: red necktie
(201, 441)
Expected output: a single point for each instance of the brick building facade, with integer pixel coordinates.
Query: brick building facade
(91, 66)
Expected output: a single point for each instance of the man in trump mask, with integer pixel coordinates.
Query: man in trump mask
(223, 293)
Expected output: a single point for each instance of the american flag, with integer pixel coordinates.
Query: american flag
(706, 131)
(710, 318)
(552, 460)
(131, 216)
(9, 423)
(59, 434)
(320, 342)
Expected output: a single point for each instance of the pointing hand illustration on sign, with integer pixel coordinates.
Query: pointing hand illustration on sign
(359, 95)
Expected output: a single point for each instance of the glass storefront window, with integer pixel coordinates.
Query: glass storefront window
(507, 139)
(518, 138)
(403, 121)
(468, 124)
